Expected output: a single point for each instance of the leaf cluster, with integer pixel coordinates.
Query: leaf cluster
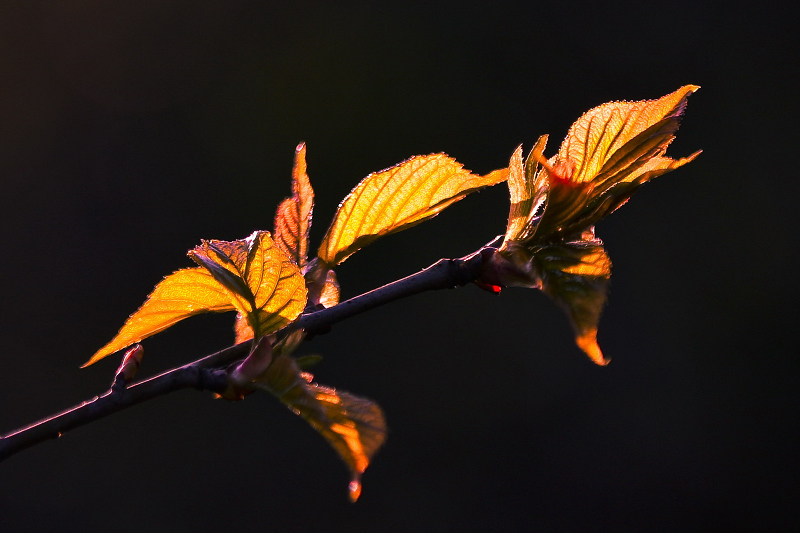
(549, 244)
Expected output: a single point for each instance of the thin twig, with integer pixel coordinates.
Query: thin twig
(113, 400)
(444, 274)
(204, 373)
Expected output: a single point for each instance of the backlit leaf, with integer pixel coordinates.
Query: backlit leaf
(528, 190)
(521, 193)
(575, 275)
(293, 217)
(397, 198)
(611, 141)
(264, 284)
(607, 154)
(355, 427)
(180, 295)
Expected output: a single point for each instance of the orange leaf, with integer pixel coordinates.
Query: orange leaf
(180, 295)
(575, 275)
(263, 282)
(242, 329)
(612, 140)
(397, 198)
(549, 243)
(527, 187)
(293, 217)
(355, 427)
(607, 154)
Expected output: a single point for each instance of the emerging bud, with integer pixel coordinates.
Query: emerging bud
(254, 365)
(248, 371)
(130, 365)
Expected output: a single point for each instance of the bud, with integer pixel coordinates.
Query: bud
(130, 365)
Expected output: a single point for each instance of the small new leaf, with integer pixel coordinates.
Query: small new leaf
(263, 283)
(293, 217)
(397, 198)
(180, 295)
(527, 188)
(355, 427)
(608, 153)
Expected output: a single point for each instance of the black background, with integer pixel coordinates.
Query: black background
(131, 130)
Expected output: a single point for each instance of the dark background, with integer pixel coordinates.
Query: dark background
(131, 130)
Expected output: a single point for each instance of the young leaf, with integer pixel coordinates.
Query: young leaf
(293, 217)
(264, 284)
(612, 141)
(397, 198)
(182, 294)
(575, 275)
(607, 154)
(355, 427)
(528, 190)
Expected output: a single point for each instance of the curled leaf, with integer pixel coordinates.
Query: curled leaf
(355, 427)
(397, 198)
(293, 217)
(575, 275)
(264, 284)
(182, 294)
(528, 189)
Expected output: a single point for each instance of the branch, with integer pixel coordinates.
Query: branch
(205, 373)
(193, 375)
(444, 274)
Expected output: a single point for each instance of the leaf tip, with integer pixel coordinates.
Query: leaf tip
(588, 343)
(355, 490)
(95, 358)
(683, 92)
(102, 353)
(692, 157)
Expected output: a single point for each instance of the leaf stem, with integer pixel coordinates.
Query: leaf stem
(205, 373)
